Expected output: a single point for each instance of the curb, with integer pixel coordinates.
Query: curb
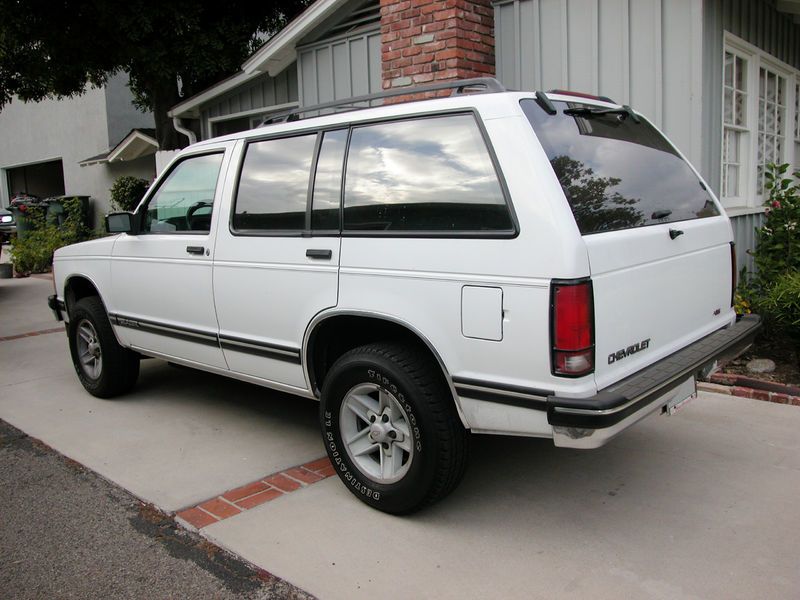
(747, 392)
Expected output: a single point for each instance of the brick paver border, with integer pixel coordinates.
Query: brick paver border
(19, 336)
(240, 499)
(746, 392)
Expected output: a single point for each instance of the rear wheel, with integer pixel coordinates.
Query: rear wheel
(105, 368)
(391, 429)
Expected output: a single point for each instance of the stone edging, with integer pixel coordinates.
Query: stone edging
(747, 392)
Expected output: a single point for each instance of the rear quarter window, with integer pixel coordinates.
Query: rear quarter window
(431, 174)
(616, 173)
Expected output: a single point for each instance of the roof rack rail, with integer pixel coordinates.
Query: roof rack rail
(477, 85)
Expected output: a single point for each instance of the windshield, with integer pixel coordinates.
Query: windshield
(616, 173)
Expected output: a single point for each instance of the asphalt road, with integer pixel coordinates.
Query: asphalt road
(67, 533)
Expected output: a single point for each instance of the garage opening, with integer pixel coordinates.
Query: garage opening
(43, 179)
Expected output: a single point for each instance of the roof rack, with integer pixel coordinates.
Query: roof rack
(478, 85)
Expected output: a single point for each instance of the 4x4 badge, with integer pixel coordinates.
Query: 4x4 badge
(625, 352)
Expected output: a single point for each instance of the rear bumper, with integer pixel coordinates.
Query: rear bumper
(591, 422)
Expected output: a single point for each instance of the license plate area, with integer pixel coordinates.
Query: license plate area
(678, 398)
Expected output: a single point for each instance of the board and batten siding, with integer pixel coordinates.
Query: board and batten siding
(340, 68)
(759, 23)
(646, 53)
(263, 92)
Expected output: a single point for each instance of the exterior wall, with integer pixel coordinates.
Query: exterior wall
(71, 130)
(646, 53)
(425, 41)
(759, 23)
(256, 97)
(121, 115)
(756, 22)
(340, 68)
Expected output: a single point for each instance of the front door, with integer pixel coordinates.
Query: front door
(162, 276)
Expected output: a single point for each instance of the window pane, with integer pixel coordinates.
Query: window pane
(423, 175)
(328, 181)
(273, 187)
(616, 173)
(771, 123)
(728, 106)
(184, 201)
(729, 60)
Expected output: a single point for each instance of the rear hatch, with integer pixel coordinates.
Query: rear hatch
(658, 245)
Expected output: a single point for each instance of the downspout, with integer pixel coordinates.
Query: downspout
(176, 123)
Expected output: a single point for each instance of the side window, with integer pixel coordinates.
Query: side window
(185, 200)
(273, 186)
(432, 174)
(328, 182)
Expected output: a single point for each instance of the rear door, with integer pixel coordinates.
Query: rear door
(277, 260)
(658, 243)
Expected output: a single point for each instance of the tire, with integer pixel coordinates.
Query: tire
(408, 448)
(104, 368)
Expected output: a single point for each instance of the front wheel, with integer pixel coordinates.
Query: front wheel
(105, 368)
(390, 428)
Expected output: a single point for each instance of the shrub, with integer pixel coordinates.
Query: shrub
(780, 305)
(127, 191)
(778, 240)
(33, 253)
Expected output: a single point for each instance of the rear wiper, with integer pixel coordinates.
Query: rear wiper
(585, 111)
(660, 214)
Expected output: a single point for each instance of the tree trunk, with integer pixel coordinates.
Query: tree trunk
(164, 94)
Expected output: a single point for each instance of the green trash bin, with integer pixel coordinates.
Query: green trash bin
(56, 213)
(20, 207)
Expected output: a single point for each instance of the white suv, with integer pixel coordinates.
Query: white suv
(500, 262)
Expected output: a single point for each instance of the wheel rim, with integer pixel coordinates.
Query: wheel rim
(376, 433)
(90, 355)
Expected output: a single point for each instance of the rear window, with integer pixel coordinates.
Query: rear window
(616, 173)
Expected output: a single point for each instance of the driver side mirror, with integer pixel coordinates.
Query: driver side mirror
(120, 222)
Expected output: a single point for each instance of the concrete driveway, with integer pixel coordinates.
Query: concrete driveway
(703, 504)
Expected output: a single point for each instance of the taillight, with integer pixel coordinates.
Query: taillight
(733, 273)
(572, 327)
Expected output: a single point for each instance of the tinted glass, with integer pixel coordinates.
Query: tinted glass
(328, 181)
(184, 201)
(273, 187)
(423, 175)
(615, 173)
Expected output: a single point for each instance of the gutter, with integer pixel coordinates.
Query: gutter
(178, 125)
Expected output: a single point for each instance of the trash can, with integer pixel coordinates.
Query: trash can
(56, 213)
(21, 207)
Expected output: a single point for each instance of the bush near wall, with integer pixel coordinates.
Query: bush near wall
(33, 253)
(774, 290)
(127, 191)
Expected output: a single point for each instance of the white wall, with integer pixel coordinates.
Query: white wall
(71, 130)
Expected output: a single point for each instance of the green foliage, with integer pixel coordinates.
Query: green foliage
(127, 191)
(781, 305)
(54, 49)
(33, 253)
(778, 240)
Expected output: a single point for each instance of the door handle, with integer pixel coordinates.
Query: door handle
(312, 253)
(195, 249)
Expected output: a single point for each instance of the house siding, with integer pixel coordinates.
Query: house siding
(757, 22)
(340, 68)
(263, 92)
(646, 53)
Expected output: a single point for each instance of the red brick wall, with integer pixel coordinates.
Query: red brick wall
(425, 41)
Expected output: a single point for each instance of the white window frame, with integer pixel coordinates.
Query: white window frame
(750, 197)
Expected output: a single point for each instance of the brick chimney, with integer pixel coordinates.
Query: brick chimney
(427, 41)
